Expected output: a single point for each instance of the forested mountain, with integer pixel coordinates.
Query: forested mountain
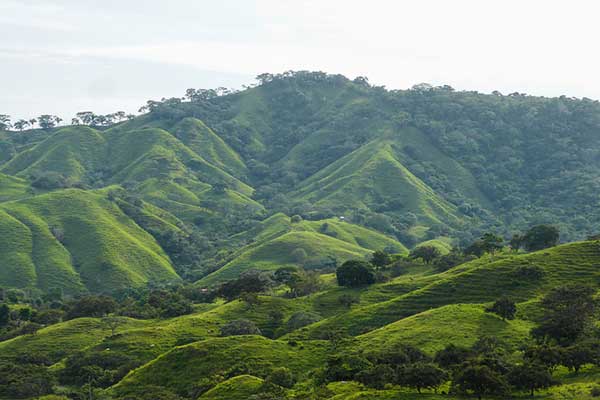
(415, 165)
(310, 237)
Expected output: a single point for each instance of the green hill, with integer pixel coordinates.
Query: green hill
(77, 240)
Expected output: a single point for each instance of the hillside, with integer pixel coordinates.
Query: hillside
(194, 251)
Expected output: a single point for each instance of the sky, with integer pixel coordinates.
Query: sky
(64, 56)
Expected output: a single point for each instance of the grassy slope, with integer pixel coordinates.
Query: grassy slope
(204, 142)
(237, 388)
(102, 249)
(479, 281)
(271, 244)
(372, 172)
(278, 253)
(432, 330)
(13, 188)
(61, 340)
(179, 368)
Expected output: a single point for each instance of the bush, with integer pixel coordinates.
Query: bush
(355, 273)
(240, 327)
(282, 377)
(301, 319)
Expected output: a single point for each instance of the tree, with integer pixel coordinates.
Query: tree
(251, 281)
(480, 380)
(452, 356)
(503, 307)
(377, 376)
(530, 377)
(380, 259)
(240, 327)
(516, 242)
(281, 377)
(4, 122)
(422, 376)
(345, 367)
(21, 124)
(4, 314)
(354, 273)
(92, 306)
(488, 243)
(545, 354)
(47, 121)
(568, 313)
(577, 355)
(540, 237)
(112, 323)
(425, 253)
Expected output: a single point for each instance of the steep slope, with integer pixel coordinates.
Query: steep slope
(204, 142)
(77, 240)
(372, 177)
(12, 188)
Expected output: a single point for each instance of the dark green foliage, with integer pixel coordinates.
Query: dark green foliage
(503, 307)
(568, 313)
(20, 380)
(344, 367)
(452, 259)
(540, 237)
(240, 327)
(103, 368)
(488, 243)
(354, 273)
(380, 259)
(547, 355)
(421, 376)
(577, 355)
(480, 380)
(281, 377)
(169, 304)
(377, 376)
(251, 281)
(4, 314)
(425, 253)
(91, 306)
(452, 356)
(530, 377)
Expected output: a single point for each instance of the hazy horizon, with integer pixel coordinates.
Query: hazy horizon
(63, 56)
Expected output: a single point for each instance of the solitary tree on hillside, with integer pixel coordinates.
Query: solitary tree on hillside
(425, 253)
(354, 273)
(503, 307)
(540, 237)
(380, 259)
(112, 323)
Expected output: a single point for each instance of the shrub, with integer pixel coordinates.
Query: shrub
(240, 327)
(355, 273)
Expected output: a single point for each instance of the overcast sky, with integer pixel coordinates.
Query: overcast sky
(64, 56)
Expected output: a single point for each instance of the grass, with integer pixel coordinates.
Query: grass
(240, 387)
(371, 173)
(459, 324)
(78, 240)
(181, 367)
(479, 281)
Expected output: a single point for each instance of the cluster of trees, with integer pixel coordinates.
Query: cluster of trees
(92, 119)
(48, 121)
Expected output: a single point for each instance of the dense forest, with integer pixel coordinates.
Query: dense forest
(307, 237)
